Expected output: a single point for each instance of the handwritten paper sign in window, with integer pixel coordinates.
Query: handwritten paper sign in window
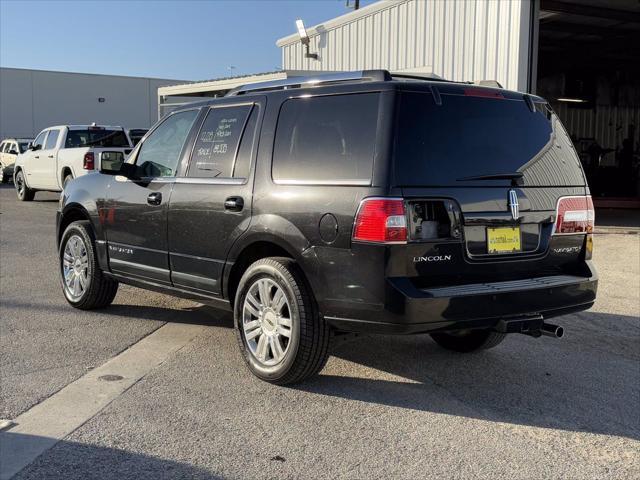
(217, 144)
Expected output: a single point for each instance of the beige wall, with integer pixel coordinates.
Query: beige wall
(31, 100)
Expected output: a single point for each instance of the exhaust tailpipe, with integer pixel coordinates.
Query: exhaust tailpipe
(551, 330)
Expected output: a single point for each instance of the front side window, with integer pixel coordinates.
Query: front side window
(52, 139)
(159, 155)
(326, 139)
(39, 141)
(215, 151)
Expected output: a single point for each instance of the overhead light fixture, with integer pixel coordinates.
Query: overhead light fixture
(571, 100)
(304, 39)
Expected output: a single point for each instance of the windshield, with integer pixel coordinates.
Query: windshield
(23, 146)
(96, 138)
(469, 140)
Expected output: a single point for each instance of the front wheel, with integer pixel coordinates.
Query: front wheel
(282, 337)
(25, 194)
(83, 283)
(468, 341)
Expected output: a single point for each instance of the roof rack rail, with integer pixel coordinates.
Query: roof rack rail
(312, 80)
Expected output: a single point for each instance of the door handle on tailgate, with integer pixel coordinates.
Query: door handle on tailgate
(154, 198)
(234, 204)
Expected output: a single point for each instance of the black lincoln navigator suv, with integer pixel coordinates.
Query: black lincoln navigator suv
(352, 202)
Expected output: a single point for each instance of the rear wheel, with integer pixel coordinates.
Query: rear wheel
(25, 194)
(83, 283)
(282, 337)
(468, 341)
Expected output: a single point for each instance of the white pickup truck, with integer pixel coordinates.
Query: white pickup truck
(61, 153)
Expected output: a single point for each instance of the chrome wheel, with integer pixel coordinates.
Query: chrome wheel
(20, 186)
(266, 321)
(75, 267)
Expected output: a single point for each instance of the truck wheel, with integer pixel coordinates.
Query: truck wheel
(5, 177)
(469, 341)
(282, 337)
(25, 194)
(67, 178)
(83, 283)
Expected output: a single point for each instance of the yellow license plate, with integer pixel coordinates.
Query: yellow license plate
(503, 240)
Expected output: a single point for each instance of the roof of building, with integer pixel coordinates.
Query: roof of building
(341, 20)
(227, 83)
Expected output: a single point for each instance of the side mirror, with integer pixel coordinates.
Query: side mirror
(111, 163)
(129, 170)
(35, 148)
(13, 152)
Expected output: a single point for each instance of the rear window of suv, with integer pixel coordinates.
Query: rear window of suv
(326, 140)
(96, 138)
(471, 136)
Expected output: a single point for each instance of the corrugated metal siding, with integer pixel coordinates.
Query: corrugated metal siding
(609, 125)
(459, 39)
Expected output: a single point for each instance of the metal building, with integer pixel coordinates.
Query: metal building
(458, 40)
(581, 55)
(31, 100)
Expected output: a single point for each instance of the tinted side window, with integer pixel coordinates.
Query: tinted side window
(39, 139)
(2, 145)
(215, 150)
(243, 159)
(326, 139)
(160, 153)
(52, 139)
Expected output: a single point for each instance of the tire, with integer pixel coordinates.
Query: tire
(67, 178)
(78, 260)
(5, 177)
(25, 194)
(469, 341)
(304, 352)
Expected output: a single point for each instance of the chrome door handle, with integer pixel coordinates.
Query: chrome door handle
(154, 198)
(234, 204)
(50, 156)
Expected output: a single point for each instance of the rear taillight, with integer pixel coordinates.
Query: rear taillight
(574, 215)
(381, 220)
(89, 163)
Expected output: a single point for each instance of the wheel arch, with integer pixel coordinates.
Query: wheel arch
(72, 213)
(251, 252)
(66, 170)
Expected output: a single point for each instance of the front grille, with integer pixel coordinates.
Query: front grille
(501, 287)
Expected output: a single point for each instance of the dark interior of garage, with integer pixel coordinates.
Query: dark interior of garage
(589, 69)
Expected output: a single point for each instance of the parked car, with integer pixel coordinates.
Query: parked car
(136, 134)
(61, 153)
(10, 148)
(353, 202)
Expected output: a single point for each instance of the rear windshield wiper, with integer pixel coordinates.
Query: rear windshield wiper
(493, 176)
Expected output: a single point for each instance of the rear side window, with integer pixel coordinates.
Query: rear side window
(2, 146)
(52, 139)
(326, 140)
(215, 152)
